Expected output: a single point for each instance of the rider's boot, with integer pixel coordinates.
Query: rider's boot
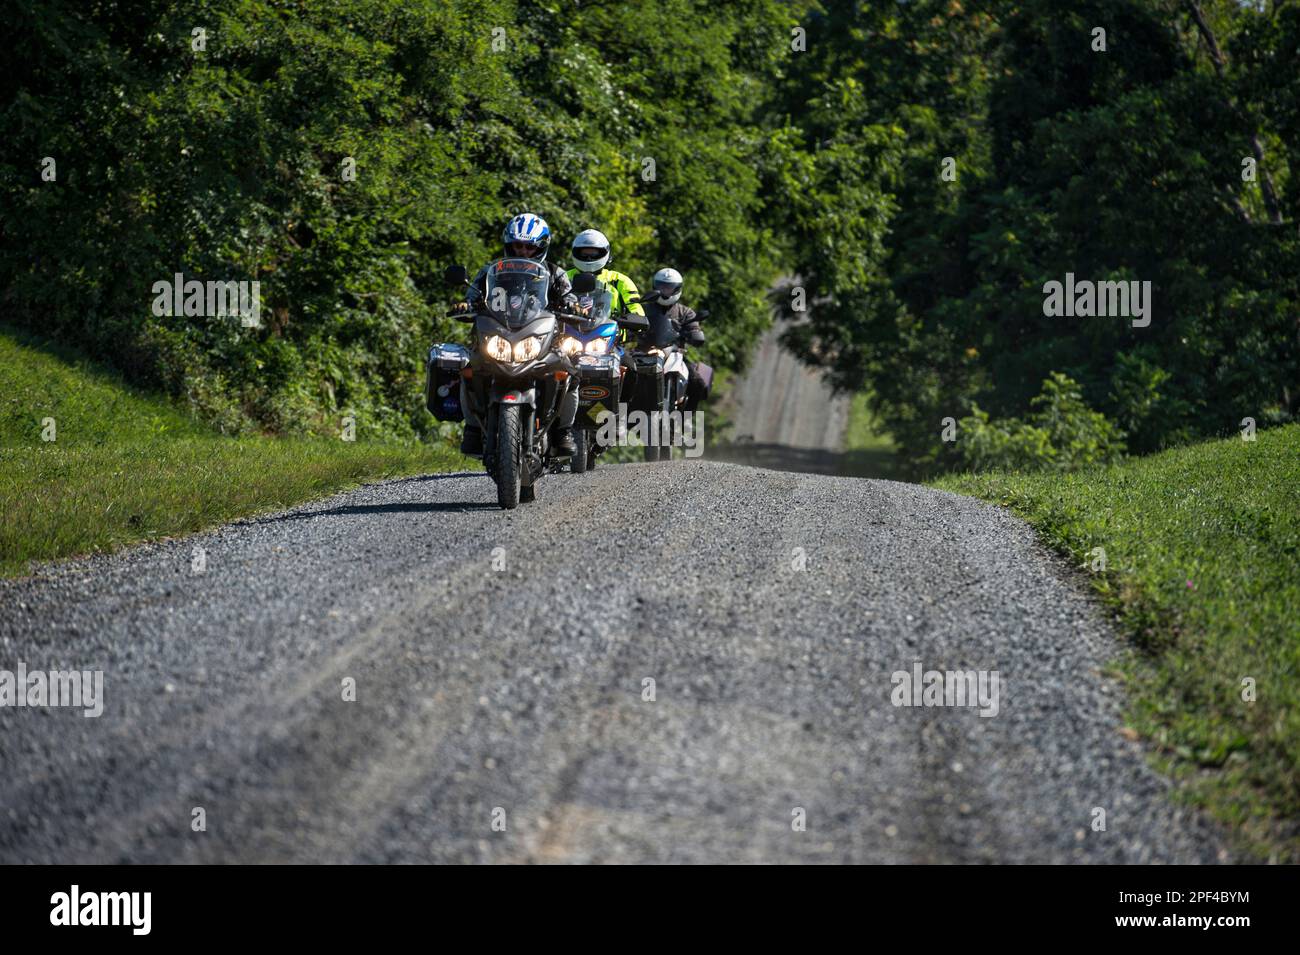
(562, 443)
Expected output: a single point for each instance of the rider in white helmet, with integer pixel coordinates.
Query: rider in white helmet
(665, 304)
(591, 253)
(667, 285)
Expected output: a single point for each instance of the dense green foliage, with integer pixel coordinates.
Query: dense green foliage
(1123, 164)
(736, 141)
(1201, 548)
(233, 162)
(88, 465)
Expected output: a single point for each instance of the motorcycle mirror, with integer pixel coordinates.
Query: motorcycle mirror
(456, 275)
(584, 282)
(702, 314)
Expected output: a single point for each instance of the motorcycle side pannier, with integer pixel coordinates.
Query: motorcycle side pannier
(699, 385)
(442, 381)
(647, 385)
(600, 382)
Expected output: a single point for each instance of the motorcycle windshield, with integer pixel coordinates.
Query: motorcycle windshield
(515, 292)
(595, 307)
(661, 333)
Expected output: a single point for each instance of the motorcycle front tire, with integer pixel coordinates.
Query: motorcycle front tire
(509, 454)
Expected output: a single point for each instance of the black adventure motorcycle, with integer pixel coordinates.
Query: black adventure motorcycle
(663, 380)
(514, 374)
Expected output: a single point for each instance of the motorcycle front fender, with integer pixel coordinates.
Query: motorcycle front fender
(676, 365)
(508, 395)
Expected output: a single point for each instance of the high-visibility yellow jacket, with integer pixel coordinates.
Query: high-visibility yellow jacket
(624, 289)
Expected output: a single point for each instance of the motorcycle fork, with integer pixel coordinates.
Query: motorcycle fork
(527, 434)
(491, 418)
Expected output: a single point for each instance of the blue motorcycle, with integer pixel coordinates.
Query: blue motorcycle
(591, 345)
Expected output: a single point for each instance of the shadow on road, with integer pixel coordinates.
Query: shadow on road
(405, 507)
(442, 476)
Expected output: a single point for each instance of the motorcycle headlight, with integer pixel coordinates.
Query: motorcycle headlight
(570, 346)
(597, 346)
(496, 348)
(528, 348)
(655, 351)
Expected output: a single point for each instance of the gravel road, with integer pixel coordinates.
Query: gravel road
(523, 689)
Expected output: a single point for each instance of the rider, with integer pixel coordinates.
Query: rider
(526, 236)
(666, 290)
(590, 253)
(671, 318)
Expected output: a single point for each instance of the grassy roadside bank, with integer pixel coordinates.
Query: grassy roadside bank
(88, 465)
(1202, 567)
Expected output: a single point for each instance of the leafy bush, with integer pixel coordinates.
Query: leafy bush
(1062, 434)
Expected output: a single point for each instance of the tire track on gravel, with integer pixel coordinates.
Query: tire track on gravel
(522, 689)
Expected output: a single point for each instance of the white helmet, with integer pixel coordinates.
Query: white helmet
(667, 285)
(590, 250)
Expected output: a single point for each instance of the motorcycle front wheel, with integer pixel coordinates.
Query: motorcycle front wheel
(508, 456)
(665, 431)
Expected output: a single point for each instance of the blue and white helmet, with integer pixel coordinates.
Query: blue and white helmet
(526, 236)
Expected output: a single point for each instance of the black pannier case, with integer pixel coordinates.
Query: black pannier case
(647, 384)
(699, 385)
(599, 382)
(442, 381)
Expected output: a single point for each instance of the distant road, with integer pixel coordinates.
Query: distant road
(785, 417)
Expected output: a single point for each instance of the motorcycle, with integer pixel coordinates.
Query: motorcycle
(591, 343)
(663, 381)
(514, 374)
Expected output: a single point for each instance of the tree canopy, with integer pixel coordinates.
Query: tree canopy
(922, 168)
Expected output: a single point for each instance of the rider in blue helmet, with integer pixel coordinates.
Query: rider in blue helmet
(526, 236)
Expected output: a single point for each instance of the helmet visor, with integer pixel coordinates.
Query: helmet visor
(523, 250)
(589, 253)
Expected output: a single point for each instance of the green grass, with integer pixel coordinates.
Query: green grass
(1202, 549)
(124, 466)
